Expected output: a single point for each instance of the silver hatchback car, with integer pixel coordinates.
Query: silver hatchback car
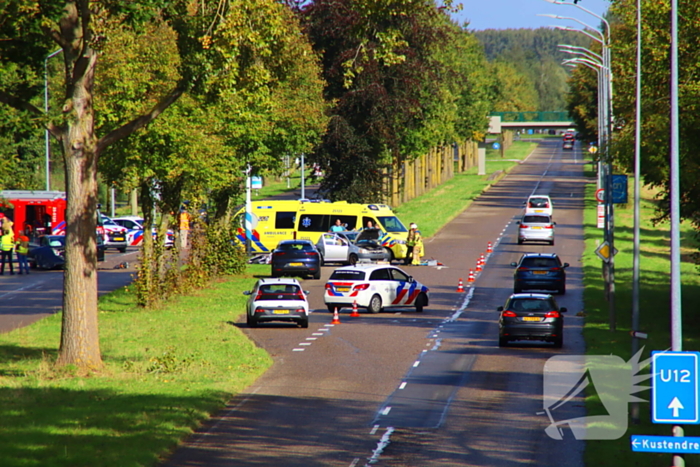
(536, 228)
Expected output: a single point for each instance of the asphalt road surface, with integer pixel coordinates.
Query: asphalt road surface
(408, 389)
(25, 299)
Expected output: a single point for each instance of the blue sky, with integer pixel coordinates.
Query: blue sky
(514, 14)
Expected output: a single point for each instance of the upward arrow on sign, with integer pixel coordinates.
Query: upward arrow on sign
(675, 405)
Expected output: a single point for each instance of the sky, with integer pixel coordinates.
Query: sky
(515, 14)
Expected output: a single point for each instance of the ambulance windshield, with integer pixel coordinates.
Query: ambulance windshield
(392, 224)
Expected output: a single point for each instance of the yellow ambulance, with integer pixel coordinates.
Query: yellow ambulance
(307, 220)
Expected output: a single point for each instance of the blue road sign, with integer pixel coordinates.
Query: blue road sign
(619, 189)
(496, 145)
(674, 387)
(676, 445)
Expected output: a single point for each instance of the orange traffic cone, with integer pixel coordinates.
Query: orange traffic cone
(489, 249)
(478, 265)
(355, 313)
(471, 276)
(460, 285)
(336, 319)
(483, 260)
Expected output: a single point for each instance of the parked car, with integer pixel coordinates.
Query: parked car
(536, 228)
(47, 251)
(352, 247)
(539, 271)
(539, 204)
(134, 234)
(114, 235)
(531, 317)
(296, 258)
(374, 287)
(279, 299)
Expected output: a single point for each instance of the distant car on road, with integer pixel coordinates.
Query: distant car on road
(374, 287)
(568, 145)
(531, 317)
(352, 247)
(115, 234)
(47, 251)
(296, 258)
(539, 204)
(539, 271)
(536, 228)
(279, 299)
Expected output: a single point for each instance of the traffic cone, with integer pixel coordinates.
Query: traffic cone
(483, 260)
(336, 319)
(478, 265)
(489, 249)
(355, 313)
(460, 285)
(471, 276)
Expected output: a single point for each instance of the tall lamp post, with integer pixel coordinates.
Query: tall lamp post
(46, 112)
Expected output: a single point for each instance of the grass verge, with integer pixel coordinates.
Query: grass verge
(166, 370)
(654, 313)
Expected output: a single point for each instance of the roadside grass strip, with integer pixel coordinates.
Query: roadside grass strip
(654, 315)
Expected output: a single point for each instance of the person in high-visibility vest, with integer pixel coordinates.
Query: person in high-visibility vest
(22, 249)
(184, 229)
(410, 243)
(7, 244)
(417, 247)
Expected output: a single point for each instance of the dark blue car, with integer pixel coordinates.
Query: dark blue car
(539, 271)
(296, 258)
(47, 251)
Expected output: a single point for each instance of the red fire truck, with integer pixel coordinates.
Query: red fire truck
(35, 212)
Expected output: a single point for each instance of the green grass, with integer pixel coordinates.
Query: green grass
(654, 314)
(166, 371)
(436, 208)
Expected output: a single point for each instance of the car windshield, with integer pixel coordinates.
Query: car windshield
(539, 263)
(279, 292)
(536, 220)
(295, 247)
(529, 305)
(351, 236)
(57, 242)
(392, 224)
(539, 203)
(347, 275)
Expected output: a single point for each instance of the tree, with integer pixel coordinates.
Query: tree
(222, 45)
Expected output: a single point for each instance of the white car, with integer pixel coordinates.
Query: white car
(536, 228)
(374, 287)
(114, 235)
(539, 204)
(277, 299)
(134, 235)
(353, 247)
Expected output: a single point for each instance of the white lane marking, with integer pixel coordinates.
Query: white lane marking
(416, 363)
(374, 429)
(437, 345)
(317, 334)
(386, 410)
(354, 462)
(311, 338)
(403, 385)
(383, 443)
(298, 350)
(304, 343)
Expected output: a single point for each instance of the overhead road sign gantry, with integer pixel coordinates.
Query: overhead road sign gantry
(675, 387)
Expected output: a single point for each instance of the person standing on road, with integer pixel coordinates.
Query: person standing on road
(417, 246)
(410, 243)
(7, 244)
(184, 228)
(22, 249)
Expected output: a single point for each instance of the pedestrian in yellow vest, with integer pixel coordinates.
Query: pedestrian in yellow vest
(417, 246)
(410, 243)
(22, 248)
(7, 244)
(184, 228)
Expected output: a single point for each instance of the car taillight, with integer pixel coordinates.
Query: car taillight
(359, 287)
(509, 314)
(300, 310)
(552, 314)
(555, 269)
(329, 286)
(311, 253)
(300, 295)
(260, 310)
(523, 269)
(278, 253)
(523, 226)
(257, 297)
(550, 226)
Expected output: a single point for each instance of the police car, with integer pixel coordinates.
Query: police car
(374, 287)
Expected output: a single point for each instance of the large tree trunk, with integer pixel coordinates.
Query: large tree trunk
(79, 335)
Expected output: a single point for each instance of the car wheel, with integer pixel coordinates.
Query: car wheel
(304, 323)
(375, 304)
(562, 289)
(520, 241)
(250, 321)
(321, 261)
(122, 250)
(552, 242)
(502, 341)
(420, 303)
(558, 342)
(317, 274)
(274, 274)
(353, 259)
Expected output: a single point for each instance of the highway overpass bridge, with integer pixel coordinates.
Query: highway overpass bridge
(532, 120)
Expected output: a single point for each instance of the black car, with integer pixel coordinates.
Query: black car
(539, 271)
(296, 258)
(531, 317)
(47, 252)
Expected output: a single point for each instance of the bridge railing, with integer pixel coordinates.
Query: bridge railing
(546, 116)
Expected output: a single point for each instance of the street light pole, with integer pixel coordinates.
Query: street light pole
(47, 144)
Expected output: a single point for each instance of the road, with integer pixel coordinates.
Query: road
(28, 298)
(408, 389)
